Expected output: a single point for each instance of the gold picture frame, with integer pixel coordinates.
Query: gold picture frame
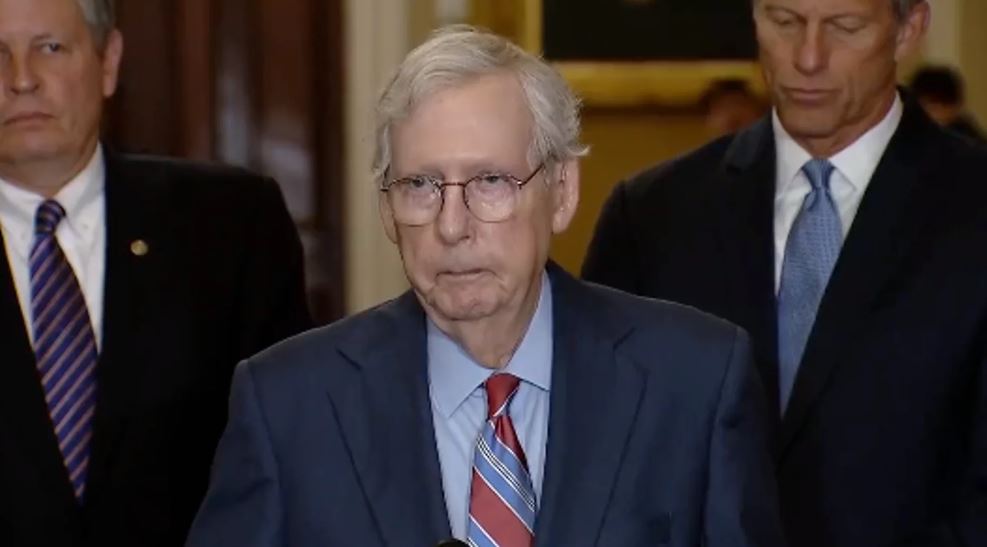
(674, 84)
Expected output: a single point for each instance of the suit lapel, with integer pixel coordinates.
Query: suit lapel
(28, 428)
(384, 411)
(385, 415)
(889, 217)
(594, 402)
(133, 281)
(747, 244)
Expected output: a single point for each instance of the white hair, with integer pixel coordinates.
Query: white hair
(101, 18)
(456, 54)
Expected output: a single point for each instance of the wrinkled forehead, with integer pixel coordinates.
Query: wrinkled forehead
(485, 119)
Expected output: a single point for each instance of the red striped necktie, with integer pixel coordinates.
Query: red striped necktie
(502, 499)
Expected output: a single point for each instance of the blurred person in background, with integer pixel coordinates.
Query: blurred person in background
(729, 106)
(129, 289)
(846, 232)
(940, 91)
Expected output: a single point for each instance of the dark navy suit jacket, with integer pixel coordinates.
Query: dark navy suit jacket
(884, 441)
(656, 434)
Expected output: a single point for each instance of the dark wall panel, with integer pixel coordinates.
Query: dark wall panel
(255, 83)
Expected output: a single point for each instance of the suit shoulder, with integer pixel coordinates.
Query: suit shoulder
(683, 171)
(320, 349)
(969, 156)
(954, 170)
(221, 197)
(662, 322)
(203, 176)
(672, 344)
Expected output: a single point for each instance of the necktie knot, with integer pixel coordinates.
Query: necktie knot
(818, 172)
(49, 214)
(500, 388)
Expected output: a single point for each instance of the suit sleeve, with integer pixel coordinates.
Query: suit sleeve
(611, 259)
(966, 526)
(242, 507)
(742, 499)
(274, 288)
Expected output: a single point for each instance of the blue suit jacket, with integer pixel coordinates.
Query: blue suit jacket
(656, 434)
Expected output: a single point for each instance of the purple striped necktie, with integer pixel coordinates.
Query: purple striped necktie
(64, 345)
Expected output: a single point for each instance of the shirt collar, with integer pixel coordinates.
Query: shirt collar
(454, 375)
(790, 156)
(80, 198)
(856, 162)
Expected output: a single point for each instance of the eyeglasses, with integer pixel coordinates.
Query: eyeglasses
(490, 197)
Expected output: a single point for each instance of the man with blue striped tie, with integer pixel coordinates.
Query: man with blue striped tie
(500, 401)
(129, 289)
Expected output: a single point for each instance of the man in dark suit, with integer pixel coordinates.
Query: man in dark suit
(845, 233)
(497, 402)
(129, 289)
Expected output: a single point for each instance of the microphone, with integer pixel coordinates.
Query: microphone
(451, 543)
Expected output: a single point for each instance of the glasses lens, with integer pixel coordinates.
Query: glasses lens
(492, 198)
(413, 200)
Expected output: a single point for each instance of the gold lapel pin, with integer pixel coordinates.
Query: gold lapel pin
(139, 247)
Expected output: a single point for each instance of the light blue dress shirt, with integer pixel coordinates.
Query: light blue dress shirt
(459, 405)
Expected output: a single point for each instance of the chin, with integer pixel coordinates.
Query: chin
(809, 123)
(31, 149)
(463, 305)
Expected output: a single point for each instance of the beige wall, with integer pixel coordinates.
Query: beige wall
(377, 37)
(973, 54)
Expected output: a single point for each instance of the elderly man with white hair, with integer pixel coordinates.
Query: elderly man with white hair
(499, 402)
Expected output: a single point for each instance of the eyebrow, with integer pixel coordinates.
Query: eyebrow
(45, 36)
(773, 9)
(857, 16)
(790, 11)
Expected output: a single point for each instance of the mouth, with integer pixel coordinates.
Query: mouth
(462, 275)
(26, 118)
(807, 96)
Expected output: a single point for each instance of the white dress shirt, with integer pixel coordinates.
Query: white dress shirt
(81, 235)
(855, 165)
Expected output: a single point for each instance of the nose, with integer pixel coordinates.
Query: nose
(453, 221)
(811, 50)
(18, 74)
